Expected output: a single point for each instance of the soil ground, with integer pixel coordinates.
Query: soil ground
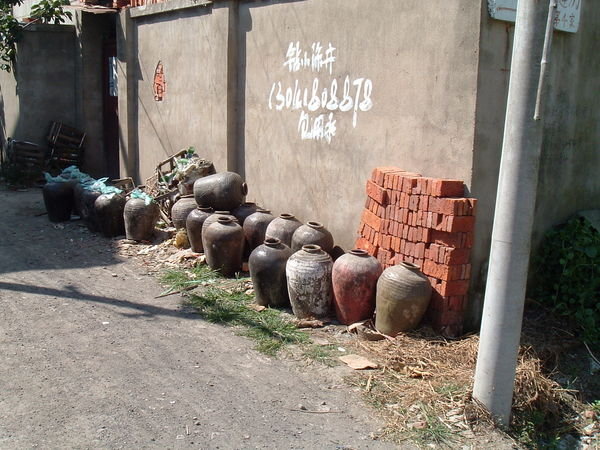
(91, 359)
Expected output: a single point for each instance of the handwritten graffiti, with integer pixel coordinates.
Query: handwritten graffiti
(322, 100)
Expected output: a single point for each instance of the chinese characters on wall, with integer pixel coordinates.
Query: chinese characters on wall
(320, 103)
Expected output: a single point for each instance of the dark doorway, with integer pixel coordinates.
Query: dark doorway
(110, 102)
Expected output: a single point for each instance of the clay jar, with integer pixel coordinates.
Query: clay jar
(212, 219)
(283, 228)
(242, 212)
(308, 273)
(221, 191)
(181, 209)
(354, 278)
(88, 208)
(109, 214)
(255, 227)
(193, 224)
(140, 219)
(58, 198)
(312, 233)
(267, 269)
(403, 294)
(223, 246)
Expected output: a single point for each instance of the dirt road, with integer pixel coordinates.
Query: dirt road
(91, 359)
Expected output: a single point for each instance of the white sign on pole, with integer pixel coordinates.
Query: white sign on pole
(566, 17)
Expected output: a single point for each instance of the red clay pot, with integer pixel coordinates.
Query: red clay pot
(354, 278)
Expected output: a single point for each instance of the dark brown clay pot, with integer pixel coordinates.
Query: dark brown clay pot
(354, 278)
(212, 219)
(140, 219)
(193, 224)
(283, 228)
(267, 269)
(109, 214)
(88, 209)
(242, 212)
(221, 191)
(312, 233)
(403, 293)
(255, 227)
(308, 273)
(58, 198)
(181, 209)
(223, 246)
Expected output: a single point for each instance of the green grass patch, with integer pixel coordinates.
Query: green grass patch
(223, 301)
(323, 354)
(434, 431)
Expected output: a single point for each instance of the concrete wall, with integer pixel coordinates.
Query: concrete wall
(42, 86)
(191, 43)
(421, 61)
(568, 178)
(433, 80)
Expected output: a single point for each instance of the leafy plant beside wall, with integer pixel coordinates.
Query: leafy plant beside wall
(45, 11)
(566, 275)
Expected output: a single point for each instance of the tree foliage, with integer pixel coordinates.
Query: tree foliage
(45, 11)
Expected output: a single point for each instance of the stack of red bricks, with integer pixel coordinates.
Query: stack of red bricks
(428, 222)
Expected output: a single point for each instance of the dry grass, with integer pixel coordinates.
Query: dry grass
(426, 382)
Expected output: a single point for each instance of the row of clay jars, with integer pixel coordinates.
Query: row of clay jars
(399, 295)
(194, 222)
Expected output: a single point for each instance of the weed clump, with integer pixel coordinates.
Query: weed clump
(566, 275)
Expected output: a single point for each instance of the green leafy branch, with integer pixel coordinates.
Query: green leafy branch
(46, 11)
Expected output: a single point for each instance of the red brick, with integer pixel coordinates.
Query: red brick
(456, 287)
(459, 223)
(386, 242)
(456, 240)
(371, 219)
(455, 256)
(409, 182)
(457, 303)
(472, 207)
(420, 250)
(378, 174)
(447, 188)
(366, 245)
(413, 202)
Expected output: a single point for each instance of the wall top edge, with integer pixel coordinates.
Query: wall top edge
(171, 5)
(49, 28)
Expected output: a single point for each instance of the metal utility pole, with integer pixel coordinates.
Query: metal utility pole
(513, 219)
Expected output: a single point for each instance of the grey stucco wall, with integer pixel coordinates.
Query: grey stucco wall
(191, 44)
(421, 59)
(42, 86)
(570, 160)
